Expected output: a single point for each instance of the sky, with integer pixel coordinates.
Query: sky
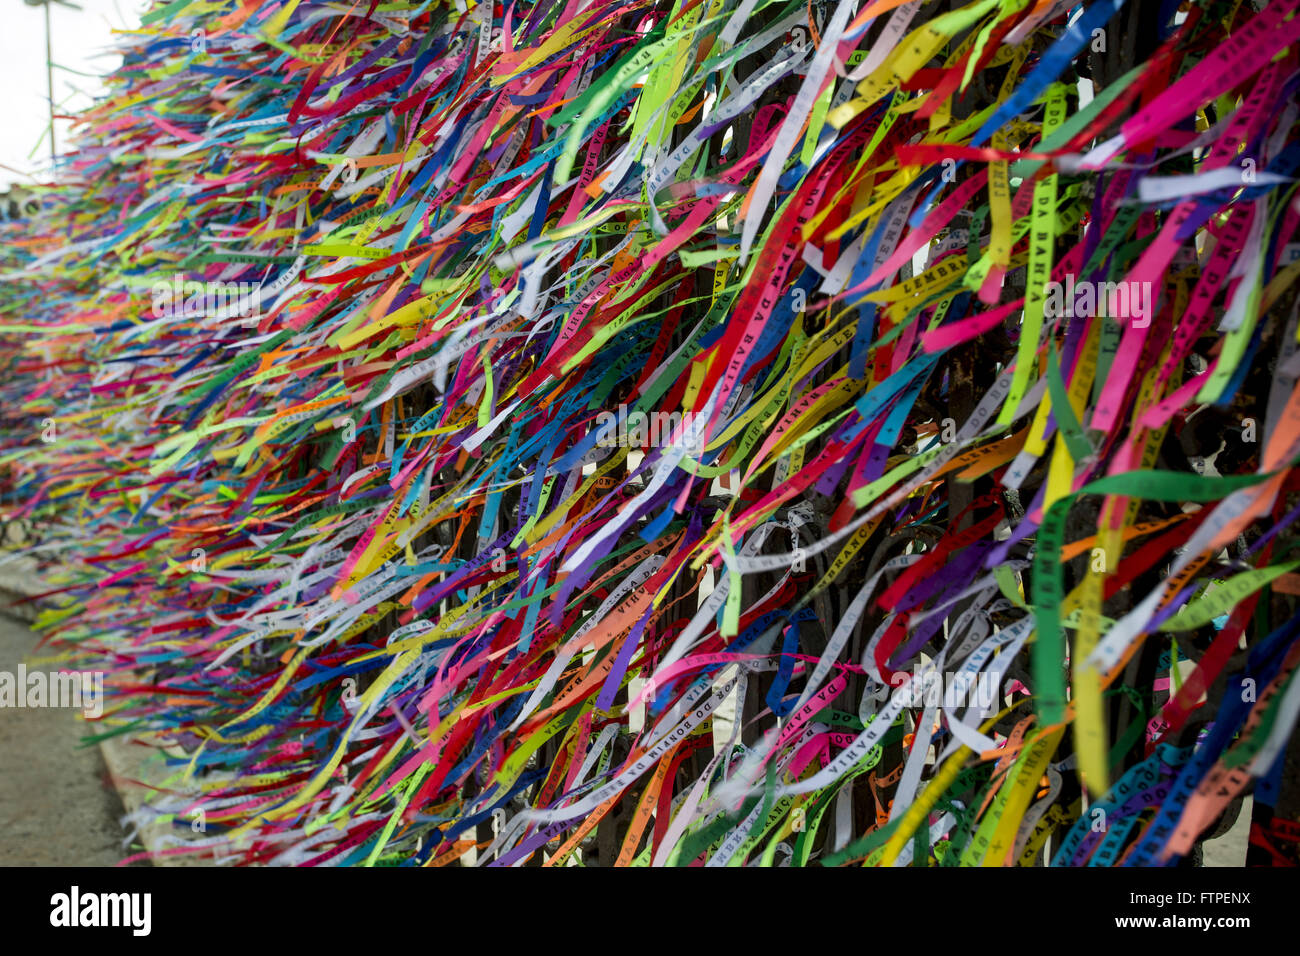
(82, 42)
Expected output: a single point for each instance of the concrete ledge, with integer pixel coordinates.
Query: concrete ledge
(20, 577)
(136, 771)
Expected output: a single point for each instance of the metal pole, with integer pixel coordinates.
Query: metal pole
(49, 80)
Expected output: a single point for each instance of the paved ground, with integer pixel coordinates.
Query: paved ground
(56, 808)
